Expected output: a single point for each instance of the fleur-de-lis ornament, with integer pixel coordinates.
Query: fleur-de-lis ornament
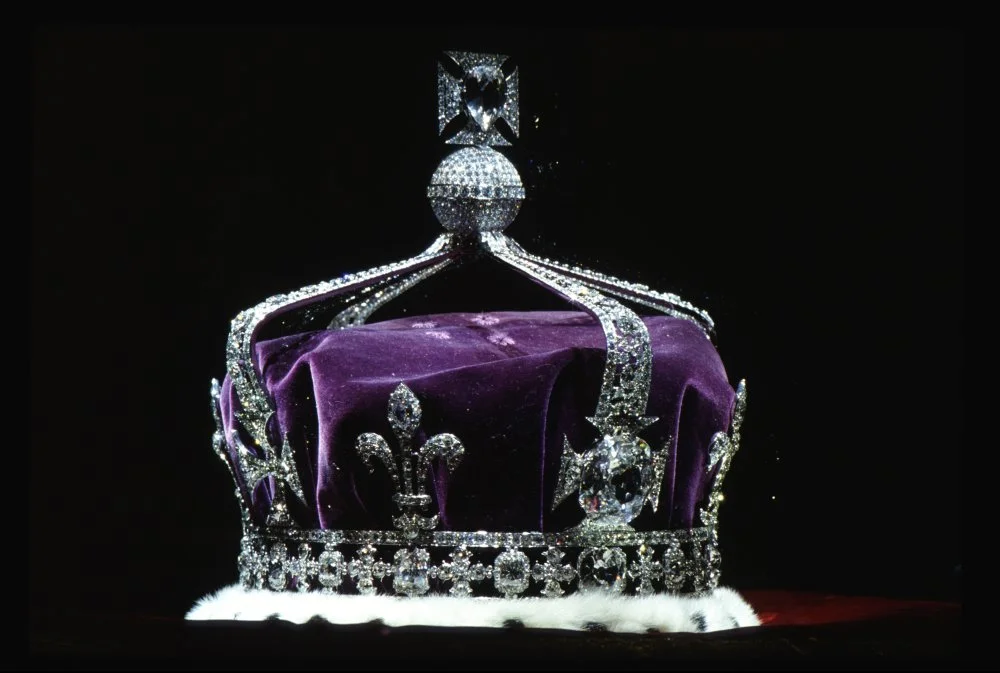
(408, 477)
(254, 469)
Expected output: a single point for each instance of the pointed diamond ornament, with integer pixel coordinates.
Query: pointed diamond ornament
(483, 95)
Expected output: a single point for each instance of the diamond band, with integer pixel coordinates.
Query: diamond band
(480, 563)
(475, 192)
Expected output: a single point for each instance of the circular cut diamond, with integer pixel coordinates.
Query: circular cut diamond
(484, 95)
(617, 476)
(602, 568)
(511, 572)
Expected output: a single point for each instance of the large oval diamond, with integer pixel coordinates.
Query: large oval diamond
(616, 477)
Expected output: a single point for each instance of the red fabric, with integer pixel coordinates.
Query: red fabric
(795, 608)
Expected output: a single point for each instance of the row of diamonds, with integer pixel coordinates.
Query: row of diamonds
(477, 191)
(627, 371)
(579, 537)
(640, 570)
(665, 302)
(476, 165)
(359, 312)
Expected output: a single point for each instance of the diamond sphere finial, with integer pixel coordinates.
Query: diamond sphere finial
(475, 189)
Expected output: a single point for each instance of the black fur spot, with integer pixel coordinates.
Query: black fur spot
(700, 622)
(735, 623)
(595, 627)
(513, 624)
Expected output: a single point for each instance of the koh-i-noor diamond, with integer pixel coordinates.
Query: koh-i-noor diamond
(615, 477)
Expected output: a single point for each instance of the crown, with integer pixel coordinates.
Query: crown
(532, 459)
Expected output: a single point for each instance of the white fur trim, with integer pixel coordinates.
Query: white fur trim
(722, 609)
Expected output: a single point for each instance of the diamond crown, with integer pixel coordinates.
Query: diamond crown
(476, 192)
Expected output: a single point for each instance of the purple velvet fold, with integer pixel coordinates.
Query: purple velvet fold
(510, 385)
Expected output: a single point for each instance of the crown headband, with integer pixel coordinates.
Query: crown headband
(476, 192)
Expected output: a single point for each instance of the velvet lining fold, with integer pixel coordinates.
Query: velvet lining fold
(510, 385)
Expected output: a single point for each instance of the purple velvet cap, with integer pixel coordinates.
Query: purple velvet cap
(510, 385)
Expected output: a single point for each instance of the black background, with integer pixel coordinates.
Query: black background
(803, 187)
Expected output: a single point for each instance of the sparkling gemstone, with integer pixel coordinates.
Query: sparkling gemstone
(279, 552)
(277, 579)
(331, 569)
(404, 410)
(673, 566)
(410, 572)
(553, 589)
(616, 477)
(511, 572)
(484, 95)
(602, 568)
(461, 588)
(380, 569)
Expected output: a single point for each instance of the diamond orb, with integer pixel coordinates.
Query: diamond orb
(602, 568)
(475, 189)
(484, 95)
(511, 572)
(616, 477)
